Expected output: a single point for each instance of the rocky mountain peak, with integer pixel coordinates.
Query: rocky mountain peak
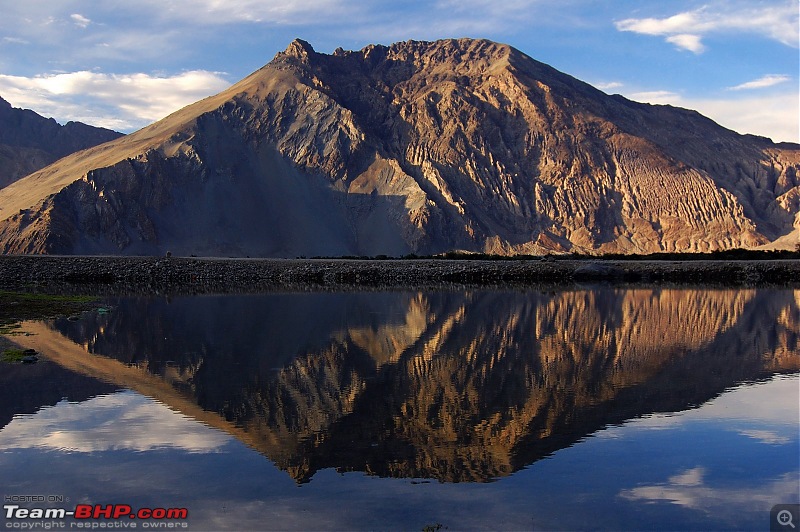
(459, 55)
(299, 49)
(452, 51)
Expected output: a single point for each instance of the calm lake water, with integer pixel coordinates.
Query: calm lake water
(595, 408)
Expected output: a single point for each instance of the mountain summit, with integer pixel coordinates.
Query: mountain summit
(416, 147)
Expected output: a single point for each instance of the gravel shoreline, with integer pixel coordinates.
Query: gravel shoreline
(201, 275)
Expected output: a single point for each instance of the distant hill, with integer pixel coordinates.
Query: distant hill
(418, 147)
(29, 142)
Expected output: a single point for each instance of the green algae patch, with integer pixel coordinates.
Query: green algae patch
(19, 306)
(12, 355)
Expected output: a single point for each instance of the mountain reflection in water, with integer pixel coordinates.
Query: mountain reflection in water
(456, 386)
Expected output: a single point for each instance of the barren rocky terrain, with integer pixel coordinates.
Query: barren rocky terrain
(418, 147)
(98, 275)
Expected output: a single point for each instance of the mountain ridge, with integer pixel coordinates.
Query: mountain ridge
(29, 142)
(419, 147)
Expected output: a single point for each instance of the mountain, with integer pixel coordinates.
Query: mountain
(417, 147)
(29, 142)
(456, 386)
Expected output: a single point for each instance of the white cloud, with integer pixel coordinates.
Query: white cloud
(765, 409)
(120, 421)
(687, 41)
(761, 83)
(690, 477)
(117, 101)
(768, 437)
(656, 97)
(774, 116)
(778, 22)
(609, 85)
(675, 24)
(80, 20)
(689, 489)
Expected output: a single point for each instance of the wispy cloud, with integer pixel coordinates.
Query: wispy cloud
(690, 489)
(690, 477)
(75, 36)
(657, 97)
(687, 29)
(609, 85)
(761, 83)
(767, 437)
(774, 116)
(80, 20)
(117, 101)
(79, 34)
(215, 12)
(212, 12)
(119, 421)
(15, 40)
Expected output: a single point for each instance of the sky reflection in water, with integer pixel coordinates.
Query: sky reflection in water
(546, 401)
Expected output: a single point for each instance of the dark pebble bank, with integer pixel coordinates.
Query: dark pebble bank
(198, 275)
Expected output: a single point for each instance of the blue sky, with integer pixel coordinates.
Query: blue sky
(123, 63)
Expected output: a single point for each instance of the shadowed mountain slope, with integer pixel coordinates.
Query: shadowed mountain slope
(29, 142)
(417, 147)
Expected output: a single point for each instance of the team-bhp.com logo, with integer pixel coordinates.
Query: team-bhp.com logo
(95, 516)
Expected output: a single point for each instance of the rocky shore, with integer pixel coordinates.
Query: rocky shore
(198, 275)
